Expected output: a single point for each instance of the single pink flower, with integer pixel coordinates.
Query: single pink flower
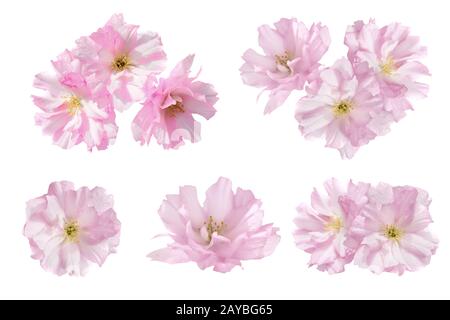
(344, 108)
(227, 229)
(291, 58)
(167, 113)
(69, 228)
(322, 229)
(122, 58)
(393, 54)
(75, 108)
(393, 228)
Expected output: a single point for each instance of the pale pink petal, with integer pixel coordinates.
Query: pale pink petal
(188, 195)
(270, 40)
(219, 199)
(276, 99)
(172, 219)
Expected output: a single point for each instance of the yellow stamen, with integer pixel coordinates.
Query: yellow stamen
(341, 108)
(283, 60)
(73, 105)
(388, 67)
(335, 224)
(392, 232)
(174, 109)
(71, 231)
(212, 226)
(121, 63)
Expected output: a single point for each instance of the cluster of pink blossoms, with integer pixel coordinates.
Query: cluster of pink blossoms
(382, 228)
(110, 70)
(69, 228)
(354, 100)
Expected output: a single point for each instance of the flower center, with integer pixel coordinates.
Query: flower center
(174, 109)
(120, 63)
(71, 231)
(392, 232)
(213, 226)
(387, 67)
(335, 224)
(73, 105)
(342, 108)
(283, 59)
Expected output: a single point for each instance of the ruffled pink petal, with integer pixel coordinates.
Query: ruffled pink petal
(262, 243)
(173, 220)
(167, 113)
(189, 199)
(270, 40)
(219, 199)
(276, 99)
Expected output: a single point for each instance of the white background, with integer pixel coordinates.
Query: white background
(266, 154)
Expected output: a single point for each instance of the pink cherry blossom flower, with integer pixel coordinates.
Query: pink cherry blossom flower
(345, 109)
(225, 230)
(167, 113)
(75, 108)
(393, 54)
(393, 227)
(322, 229)
(291, 58)
(67, 228)
(122, 58)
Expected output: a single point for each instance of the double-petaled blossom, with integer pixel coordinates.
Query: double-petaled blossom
(394, 230)
(67, 228)
(122, 58)
(227, 229)
(323, 228)
(291, 59)
(393, 55)
(76, 108)
(343, 109)
(167, 113)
